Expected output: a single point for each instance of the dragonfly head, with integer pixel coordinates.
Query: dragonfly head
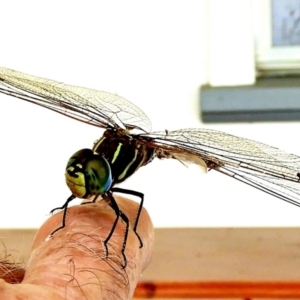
(88, 174)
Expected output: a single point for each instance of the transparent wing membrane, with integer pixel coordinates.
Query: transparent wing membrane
(94, 107)
(261, 166)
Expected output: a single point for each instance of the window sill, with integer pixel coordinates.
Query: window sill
(270, 99)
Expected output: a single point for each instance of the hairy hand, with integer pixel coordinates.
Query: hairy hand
(73, 264)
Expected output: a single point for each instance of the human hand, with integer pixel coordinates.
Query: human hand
(73, 264)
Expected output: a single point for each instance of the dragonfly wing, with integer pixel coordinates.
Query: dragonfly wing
(261, 166)
(98, 108)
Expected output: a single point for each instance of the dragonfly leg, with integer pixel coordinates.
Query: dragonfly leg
(119, 214)
(113, 204)
(141, 196)
(65, 208)
(93, 201)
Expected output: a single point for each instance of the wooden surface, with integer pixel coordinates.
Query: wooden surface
(213, 254)
(219, 290)
(200, 260)
(228, 263)
(16, 243)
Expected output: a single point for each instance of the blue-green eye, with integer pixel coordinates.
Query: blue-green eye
(88, 174)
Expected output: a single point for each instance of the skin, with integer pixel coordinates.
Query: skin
(73, 264)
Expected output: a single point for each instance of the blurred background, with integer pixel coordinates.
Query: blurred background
(157, 54)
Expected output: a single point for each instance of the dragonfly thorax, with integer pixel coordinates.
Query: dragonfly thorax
(124, 153)
(114, 157)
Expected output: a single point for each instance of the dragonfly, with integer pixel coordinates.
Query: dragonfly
(128, 144)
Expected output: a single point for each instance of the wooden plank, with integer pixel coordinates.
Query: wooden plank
(16, 243)
(218, 254)
(217, 290)
(208, 262)
(227, 263)
(205, 254)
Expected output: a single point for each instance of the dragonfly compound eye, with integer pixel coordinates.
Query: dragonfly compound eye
(88, 174)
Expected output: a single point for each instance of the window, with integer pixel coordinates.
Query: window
(247, 39)
(277, 36)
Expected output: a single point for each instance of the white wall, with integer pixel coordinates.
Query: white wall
(152, 53)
